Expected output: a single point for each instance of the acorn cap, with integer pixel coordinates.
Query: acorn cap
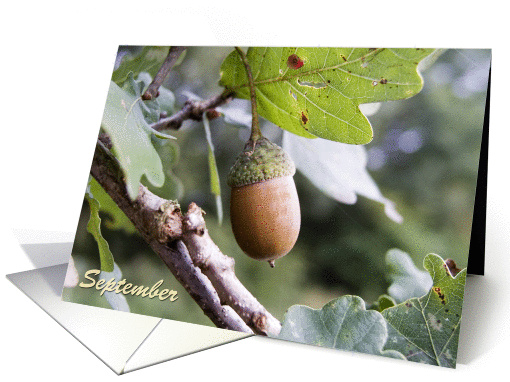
(260, 162)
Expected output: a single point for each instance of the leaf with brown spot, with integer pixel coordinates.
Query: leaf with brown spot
(294, 62)
(329, 82)
(426, 329)
(304, 118)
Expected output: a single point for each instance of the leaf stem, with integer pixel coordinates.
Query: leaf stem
(255, 127)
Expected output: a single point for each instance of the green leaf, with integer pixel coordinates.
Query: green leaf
(166, 101)
(151, 110)
(316, 91)
(168, 151)
(213, 169)
(427, 329)
(342, 324)
(116, 218)
(148, 60)
(124, 122)
(407, 280)
(94, 228)
(383, 302)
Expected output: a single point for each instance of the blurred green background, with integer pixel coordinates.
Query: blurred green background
(424, 157)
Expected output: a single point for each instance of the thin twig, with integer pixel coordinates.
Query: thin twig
(255, 128)
(192, 110)
(170, 60)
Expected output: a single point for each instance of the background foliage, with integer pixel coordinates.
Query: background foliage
(424, 158)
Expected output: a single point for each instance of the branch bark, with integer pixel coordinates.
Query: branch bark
(184, 245)
(192, 110)
(219, 268)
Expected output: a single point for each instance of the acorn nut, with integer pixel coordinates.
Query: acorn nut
(264, 205)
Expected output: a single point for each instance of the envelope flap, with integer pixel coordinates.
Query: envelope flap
(172, 339)
(112, 336)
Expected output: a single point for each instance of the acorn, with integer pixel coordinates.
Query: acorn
(264, 204)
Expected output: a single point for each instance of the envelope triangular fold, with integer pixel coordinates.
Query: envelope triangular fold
(111, 335)
(124, 342)
(172, 339)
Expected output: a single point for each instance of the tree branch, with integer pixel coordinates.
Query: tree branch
(192, 110)
(170, 60)
(184, 245)
(220, 270)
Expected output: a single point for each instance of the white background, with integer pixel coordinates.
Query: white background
(57, 58)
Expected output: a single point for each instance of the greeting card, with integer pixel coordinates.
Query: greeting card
(318, 195)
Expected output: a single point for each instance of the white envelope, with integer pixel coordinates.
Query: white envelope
(123, 341)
